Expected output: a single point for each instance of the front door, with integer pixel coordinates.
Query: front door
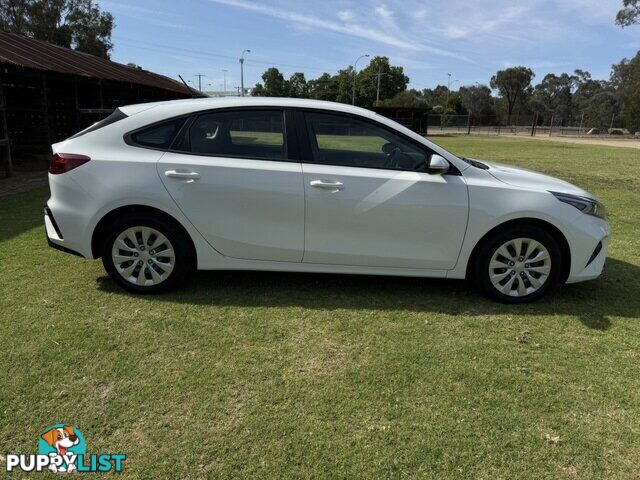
(370, 201)
(234, 183)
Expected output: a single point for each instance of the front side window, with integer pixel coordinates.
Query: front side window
(255, 134)
(347, 141)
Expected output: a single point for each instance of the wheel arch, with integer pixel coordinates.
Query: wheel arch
(554, 231)
(101, 229)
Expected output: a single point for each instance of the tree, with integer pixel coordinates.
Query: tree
(477, 100)
(553, 96)
(338, 87)
(453, 105)
(625, 78)
(512, 84)
(436, 96)
(392, 81)
(630, 14)
(91, 28)
(405, 98)
(258, 91)
(344, 85)
(297, 86)
(77, 24)
(323, 88)
(274, 85)
(594, 100)
(14, 16)
(599, 109)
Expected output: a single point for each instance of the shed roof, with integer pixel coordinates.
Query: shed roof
(39, 55)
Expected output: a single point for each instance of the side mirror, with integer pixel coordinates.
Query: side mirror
(438, 164)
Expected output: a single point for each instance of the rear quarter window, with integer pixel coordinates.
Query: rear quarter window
(160, 135)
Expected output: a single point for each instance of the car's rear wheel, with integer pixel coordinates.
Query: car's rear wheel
(518, 265)
(145, 254)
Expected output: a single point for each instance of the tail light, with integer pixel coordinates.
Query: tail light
(65, 162)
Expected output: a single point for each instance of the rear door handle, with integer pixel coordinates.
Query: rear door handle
(335, 186)
(182, 175)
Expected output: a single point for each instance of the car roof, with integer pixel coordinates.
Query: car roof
(178, 107)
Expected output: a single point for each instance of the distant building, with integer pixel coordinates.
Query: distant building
(220, 93)
(47, 93)
(229, 93)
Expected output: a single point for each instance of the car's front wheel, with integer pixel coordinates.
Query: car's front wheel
(145, 254)
(518, 265)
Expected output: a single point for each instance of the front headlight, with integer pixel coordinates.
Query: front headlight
(584, 204)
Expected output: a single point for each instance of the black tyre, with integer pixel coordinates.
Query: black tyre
(518, 265)
(147, 254)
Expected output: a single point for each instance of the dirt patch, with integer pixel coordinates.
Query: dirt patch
(607, 142)
(22, 182)
(604, 140)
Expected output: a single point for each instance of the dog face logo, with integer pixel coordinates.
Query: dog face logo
(63, 441)
(61, 438)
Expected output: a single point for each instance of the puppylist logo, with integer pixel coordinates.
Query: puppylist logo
(62, 449)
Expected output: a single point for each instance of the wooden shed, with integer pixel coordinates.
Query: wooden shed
(47, 93)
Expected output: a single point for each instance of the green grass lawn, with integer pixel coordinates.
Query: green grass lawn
(287, 375)
(355, 143)
(325, 142)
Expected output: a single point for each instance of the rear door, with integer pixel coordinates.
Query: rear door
(230, 174)
(370, 200)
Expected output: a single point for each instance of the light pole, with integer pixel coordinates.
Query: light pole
(380, 74)
(355, 75)
(242, 71)
(224, 76)
(449, 83)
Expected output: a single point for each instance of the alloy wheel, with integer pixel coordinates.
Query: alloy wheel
(143, 256)
(519, 267)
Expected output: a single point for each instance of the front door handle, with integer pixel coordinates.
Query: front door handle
(182, 175)
(335, 186)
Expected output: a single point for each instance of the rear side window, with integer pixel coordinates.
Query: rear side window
(160, 135)
(255, 134)
(115, 116)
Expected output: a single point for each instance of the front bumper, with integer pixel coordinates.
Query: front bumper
(589, 246)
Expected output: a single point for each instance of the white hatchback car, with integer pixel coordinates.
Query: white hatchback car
(157, 190)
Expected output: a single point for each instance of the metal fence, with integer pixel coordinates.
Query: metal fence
(518, 125)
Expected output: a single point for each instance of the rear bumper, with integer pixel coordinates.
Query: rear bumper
(54, 235)
(67, 214)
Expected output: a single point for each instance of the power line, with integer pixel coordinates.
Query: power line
(196, 54)
(200, 75)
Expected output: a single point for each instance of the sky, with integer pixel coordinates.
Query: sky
(471, 39)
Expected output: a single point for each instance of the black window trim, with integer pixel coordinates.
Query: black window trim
(245, 157)
(110, 119)
(297, 142)
(305, 136)
(290, 143)
(128, 137)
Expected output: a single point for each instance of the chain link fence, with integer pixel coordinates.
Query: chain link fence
(522, 125)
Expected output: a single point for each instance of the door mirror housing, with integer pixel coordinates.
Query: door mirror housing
(438, 164)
